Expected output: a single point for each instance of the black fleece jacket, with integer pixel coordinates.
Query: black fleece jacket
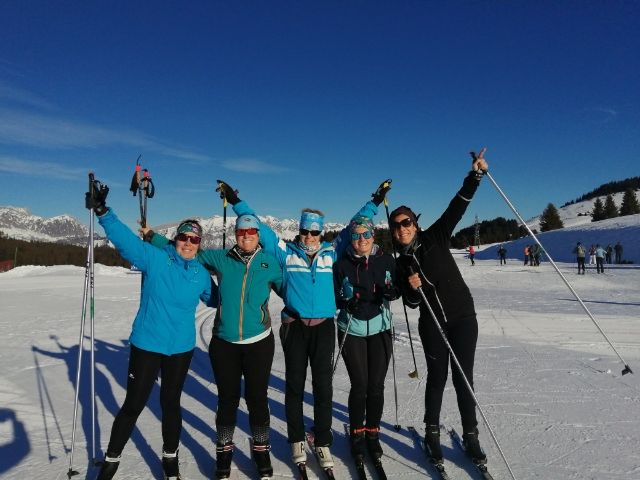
(429, 255)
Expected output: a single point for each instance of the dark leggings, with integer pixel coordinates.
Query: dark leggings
(143, 372)
(367, 361)
(462, 335)
(580, 264)
(231, 362)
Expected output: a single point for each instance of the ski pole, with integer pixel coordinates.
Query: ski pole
(396, 427)
(462, 374)
(627, 368)
(88, 290)
(414, 373)
(344, 339)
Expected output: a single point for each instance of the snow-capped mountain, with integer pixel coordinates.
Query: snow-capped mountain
(20, 223)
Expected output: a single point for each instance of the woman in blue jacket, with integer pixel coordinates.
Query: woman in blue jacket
(163, 335)
(242, 344)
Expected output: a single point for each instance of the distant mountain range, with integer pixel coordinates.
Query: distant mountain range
(20, 223)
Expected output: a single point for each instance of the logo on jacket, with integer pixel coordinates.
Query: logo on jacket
(264, 265)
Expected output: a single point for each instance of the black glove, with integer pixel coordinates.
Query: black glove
(377, 197)
(390, 293)
(353, 305)
(96, 197)
(227, 191)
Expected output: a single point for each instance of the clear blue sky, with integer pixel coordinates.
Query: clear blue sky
(312, 104)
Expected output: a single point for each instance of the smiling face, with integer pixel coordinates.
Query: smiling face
(185, 247)
(308, 238)
(404, 229)
(362, 246)
(247, 239)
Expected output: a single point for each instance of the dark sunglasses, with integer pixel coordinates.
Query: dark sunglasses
(305, 232)
(406, 223)
(183, 237)
(241, 232)
(367, 234)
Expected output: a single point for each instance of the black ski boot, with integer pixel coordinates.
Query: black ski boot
(373, 442)
(170, 465)
(109, 467)
(358, 443)
(224, 454)
(472, 446)
(263, 459)
(432, 442)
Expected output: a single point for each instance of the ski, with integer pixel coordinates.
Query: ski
(302, 470)
(438, 465)
(481, 467)
(359, 462)
(328, 472)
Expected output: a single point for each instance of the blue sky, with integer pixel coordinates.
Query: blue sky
(312, 104)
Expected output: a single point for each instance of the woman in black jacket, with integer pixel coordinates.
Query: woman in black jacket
(364, 285)
(426, 262)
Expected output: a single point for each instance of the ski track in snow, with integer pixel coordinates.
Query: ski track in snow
(547, 380)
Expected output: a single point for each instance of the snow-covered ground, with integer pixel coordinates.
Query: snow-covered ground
(547, 380)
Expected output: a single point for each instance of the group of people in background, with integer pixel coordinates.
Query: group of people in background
(349, 282)
(532, 254)
(597, 255)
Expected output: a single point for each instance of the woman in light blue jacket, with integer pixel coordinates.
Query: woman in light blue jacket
(163, 335)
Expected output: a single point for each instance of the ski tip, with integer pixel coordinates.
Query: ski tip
(397, 428)
(627, 369)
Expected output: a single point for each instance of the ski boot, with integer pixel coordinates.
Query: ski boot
(263, 459)
(372, 436)
(472, 447)
(109, 467)
(358, 443)
(298, 453)
(224, 453)
(323, 454)
(170, 465)
(432, 442)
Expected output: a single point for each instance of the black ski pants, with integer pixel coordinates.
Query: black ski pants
(367, 361)
(580, 264)
(600, 264)
(143, 372)
(462, 334)
(313, 346)
(231, 362)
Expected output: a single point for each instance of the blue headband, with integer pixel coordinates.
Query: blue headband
(311, 221)
(247, 221)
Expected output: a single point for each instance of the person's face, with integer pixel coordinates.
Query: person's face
(403, 229)
(362, 245)
(247, 239)
(186, 245)
(311, 238)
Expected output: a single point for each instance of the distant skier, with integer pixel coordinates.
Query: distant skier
(472, 254)
(592, 254)
(600, 253)
(526, 254)
(609, 252)
(580, 252)
(502, 254)
(618, 250)
(537, 251)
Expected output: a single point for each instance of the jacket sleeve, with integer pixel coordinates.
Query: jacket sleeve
(442, 229)
(210, 295)
(130, 246)
(268, 238)
(212, 258)
(342, 241)
(410, 297)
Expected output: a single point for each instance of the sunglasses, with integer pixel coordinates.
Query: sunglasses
(183, 237)
(314, 233)
(406, 223)
(367, 234)
(241, 232)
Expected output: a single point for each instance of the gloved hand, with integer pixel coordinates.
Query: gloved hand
(377, 197)
(96, 198)
(353, 305)
(390, 292)
(227, 191)
(346, 291)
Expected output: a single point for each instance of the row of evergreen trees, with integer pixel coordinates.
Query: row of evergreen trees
(48, 253)
(609, 209)
(610, 188)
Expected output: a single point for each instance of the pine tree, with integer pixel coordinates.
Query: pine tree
(550, 219)
(598, 211)
(610, 207)
(630, 205)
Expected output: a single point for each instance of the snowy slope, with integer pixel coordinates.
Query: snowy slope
(548, 382)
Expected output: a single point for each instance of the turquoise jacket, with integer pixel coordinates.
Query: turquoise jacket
(172, 287)
(308, 286)
(244, 289)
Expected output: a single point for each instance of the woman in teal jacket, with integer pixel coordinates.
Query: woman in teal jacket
(163, 333)
(242, 344)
